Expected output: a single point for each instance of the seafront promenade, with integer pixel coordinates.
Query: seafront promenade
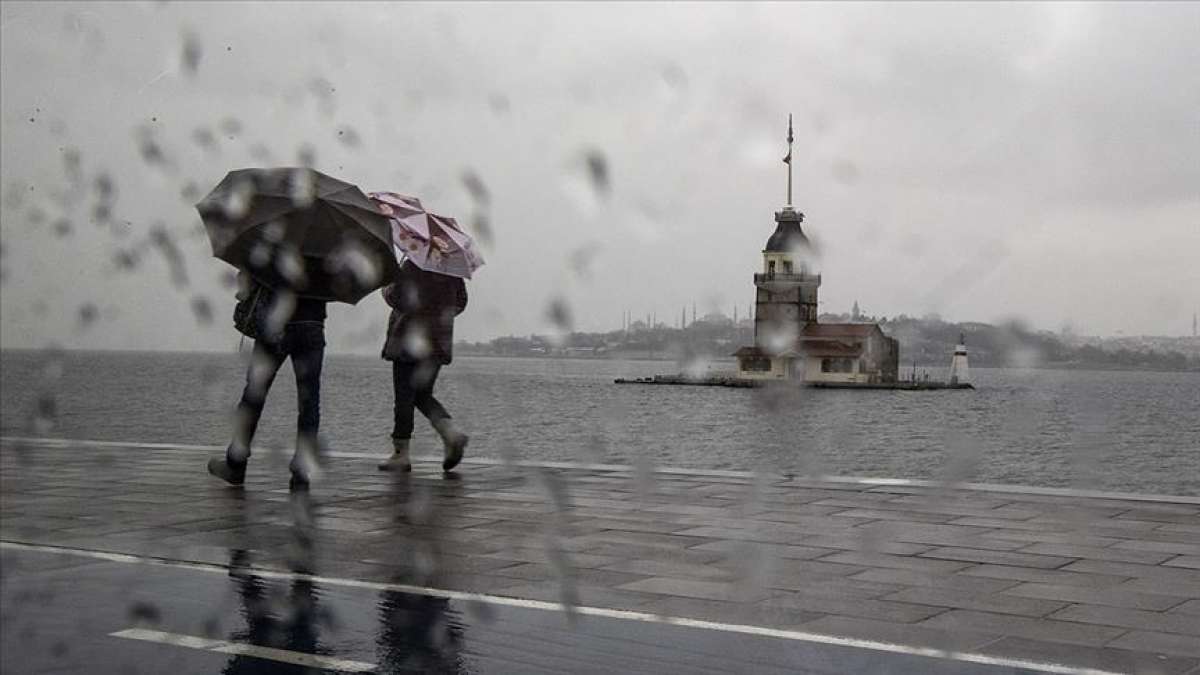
(993, 578)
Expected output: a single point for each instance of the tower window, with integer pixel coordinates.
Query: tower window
(771, 267)
(837, 365)
(787, 266)
(756, 363)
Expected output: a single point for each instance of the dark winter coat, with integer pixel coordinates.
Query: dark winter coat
(424, 305)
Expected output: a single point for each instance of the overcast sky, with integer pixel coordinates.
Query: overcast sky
(984, 162)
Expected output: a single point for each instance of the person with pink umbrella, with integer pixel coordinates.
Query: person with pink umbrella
(428, 292)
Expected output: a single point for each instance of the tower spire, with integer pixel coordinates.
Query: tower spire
(788, 160)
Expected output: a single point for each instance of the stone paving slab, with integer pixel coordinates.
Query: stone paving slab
(1085, 579)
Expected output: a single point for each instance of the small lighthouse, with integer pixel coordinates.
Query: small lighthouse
(959, 371)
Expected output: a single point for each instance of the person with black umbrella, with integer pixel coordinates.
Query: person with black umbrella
(299, 239)
(283, 326)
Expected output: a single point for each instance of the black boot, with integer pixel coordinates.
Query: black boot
(454, 443)
(298, 483)
(301, 474)
(221, 467)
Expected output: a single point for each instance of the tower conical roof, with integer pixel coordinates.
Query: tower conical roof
(788, 235)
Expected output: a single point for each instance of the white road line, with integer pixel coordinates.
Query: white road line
(620, 614)
(64, 443)
(245, 649)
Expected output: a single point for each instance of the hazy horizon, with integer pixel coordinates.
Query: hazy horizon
(984, 162)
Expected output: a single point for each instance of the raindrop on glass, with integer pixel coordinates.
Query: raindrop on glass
(202, 309)
(190, 53)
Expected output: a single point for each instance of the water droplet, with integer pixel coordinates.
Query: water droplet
(45, 412)
(162, 241)
(499, 103)
(106, 188)
(302, 188)
(597, 166)
(238, 199)
(281, 310)
(481, 226)
(559, 314)
(306, 156)
(416, 339)
(674, 76)
(260, 153)
(580, 260)
(274, 232)
(142, 612)
(151, 151)
(72, 164)
(190, 192)
(204, 138)
(88, 313)
(476, 188)
(231, 126)
(260, 255)
(102, 213)
(354, 266)
(290, 266)
(587, 180)
(190, 53)
(779, 336)
(349, 137)
(202, 309)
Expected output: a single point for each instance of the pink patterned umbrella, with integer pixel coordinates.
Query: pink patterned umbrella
(432, 242)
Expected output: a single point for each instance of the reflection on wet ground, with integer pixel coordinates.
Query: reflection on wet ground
(70, 615)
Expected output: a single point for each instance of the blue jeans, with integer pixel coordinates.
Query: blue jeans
(304, 343)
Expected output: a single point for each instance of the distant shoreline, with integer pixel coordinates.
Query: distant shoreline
(920, 366)
(641, 358)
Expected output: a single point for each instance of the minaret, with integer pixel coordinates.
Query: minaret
(786, 296)
(959, 372)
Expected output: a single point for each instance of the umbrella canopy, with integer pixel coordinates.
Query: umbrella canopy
(300, 230)
(432, 242)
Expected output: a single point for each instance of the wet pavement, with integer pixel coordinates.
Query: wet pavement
(127, 558)
(65, 614)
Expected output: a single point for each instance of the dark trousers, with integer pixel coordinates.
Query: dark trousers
(413, 384)
(304, 343)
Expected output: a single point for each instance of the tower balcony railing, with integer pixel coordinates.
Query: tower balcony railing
(786, 277)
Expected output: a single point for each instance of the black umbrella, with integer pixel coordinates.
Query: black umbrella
(300, 230)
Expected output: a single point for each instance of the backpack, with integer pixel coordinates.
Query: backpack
(251, 312)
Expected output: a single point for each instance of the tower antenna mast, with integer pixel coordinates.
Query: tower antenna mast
(788, 160)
